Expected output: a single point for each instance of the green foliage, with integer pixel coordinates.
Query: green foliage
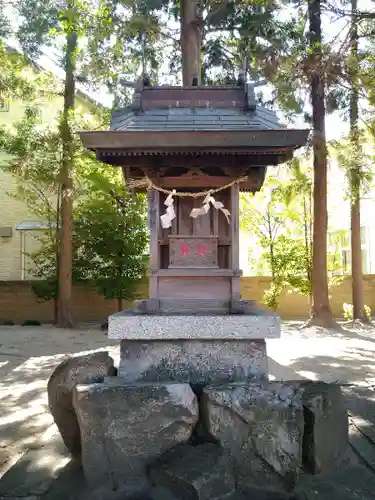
(35, 158)
(348, 312)
(44, 267)
(17, 80)
(241, 35)
(356, 163)
(109, 229)
(282, 224)
(109, 241)
(132, 31)
(288, 261)
(280, 218)
(271, 296)
(110, 50)
(111, 235)
(31, 322)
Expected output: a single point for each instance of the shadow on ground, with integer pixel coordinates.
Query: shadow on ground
(346, 356)
(28, 356)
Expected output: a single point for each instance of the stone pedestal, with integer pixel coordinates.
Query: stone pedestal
(191, 410)
(197, 362)
(196, 349)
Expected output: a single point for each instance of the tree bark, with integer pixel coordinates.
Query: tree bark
(65, 317)
(354, 179)
(57, 260)
(307, 237)
(357, 276)
(321, 312)
(191, 41)
(119, 305)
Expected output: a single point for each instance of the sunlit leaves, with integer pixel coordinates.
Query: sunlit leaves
(356, 159)
(112, 214)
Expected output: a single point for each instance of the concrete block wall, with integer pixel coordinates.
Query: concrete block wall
(295, 306)
(18, 303)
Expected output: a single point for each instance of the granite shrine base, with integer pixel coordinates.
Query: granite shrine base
(193, 348)
(202, 325)
(196, 418)
(198, 362)
(260, 439)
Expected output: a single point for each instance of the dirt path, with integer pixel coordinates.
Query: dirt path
(27, 359)
(29, 355)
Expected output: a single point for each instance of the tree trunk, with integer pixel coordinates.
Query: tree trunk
(191, 41)
(357, 276)
(354, 177)
(307, 246)
(321, 311)
(65, 318)
(119, 305)
(57, 259)
(271, 240)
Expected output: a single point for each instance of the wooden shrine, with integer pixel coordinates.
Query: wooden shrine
(192, 395)
(194, 140)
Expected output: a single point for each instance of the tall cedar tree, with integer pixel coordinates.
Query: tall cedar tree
(190, 40)
(47, 24)
(65, 318)
(321, 311)
(220, 39)
(355, 174)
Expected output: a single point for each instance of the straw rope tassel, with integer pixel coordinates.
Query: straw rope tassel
(170, 214)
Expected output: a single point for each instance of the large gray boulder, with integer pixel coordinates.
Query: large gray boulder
(74, 370)
(201, 472)
(261, 426)
(276, 430)
(124, 427)
(326, 426)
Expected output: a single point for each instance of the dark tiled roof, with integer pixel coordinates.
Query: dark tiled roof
(191, 120)
(200, 118)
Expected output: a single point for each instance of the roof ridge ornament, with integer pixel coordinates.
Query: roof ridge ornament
(241, 80)
(250, 92)
(144, 80)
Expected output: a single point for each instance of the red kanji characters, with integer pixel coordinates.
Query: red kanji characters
(201, 250)
(184, 250)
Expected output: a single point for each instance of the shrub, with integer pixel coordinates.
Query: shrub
(348, 311)
(31, 322)
(8, 322)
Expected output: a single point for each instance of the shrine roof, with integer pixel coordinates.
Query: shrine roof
(185, 119)
(175, 120)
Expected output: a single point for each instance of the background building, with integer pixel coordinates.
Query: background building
(19, 227)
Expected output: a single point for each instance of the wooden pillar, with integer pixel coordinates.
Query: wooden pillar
(235, 241)
(154, 225)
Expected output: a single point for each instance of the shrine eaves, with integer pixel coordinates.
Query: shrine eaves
(173, 134)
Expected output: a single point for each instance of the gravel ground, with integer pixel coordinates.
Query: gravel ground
(28, 355)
